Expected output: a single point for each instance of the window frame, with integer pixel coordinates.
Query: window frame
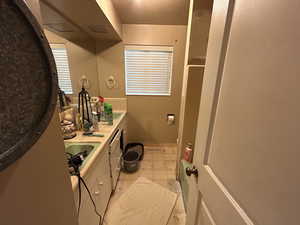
(150, 48)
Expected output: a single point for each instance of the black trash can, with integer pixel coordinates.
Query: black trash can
(138, 147)
(134, 153)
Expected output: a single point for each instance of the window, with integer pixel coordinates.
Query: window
(148, 70)
(62, 65)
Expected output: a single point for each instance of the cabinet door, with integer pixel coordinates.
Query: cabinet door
(103, 187)
(98, 181)
(115, 158)
(87, 215)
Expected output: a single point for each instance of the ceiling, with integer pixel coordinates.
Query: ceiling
(161, 12)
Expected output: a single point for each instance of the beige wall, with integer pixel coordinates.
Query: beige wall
(199, 35)
(111, 14)
(37, 188)
(192, 103)
(82, 61)
(111, 63)
(146, 114)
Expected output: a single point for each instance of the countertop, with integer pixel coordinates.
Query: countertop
(107, 131)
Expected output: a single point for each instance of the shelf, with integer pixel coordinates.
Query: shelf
(197, 61)
(201, 66)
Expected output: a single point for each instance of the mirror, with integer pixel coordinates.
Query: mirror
(78, 59)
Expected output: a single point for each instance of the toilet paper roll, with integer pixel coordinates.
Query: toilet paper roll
(171, 119)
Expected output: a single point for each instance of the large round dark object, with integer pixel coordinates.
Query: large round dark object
(138, 147)
(28, 81)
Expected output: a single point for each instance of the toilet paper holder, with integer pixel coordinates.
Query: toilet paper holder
(171, 119)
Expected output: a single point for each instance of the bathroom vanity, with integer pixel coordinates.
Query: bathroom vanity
(101, 168)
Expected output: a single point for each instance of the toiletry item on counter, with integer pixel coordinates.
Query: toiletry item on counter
(87, 127)
(188, 153)
(108, 113)
(98, 107)
(68, 129)
(91, 134)
(101, 116)
(95, 104)
(78, 121)
(95, 121)
(67, 123)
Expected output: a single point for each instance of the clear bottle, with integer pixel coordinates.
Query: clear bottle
(101, 114)
(95, 121)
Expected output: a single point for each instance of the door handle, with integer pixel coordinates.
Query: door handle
(189, 171)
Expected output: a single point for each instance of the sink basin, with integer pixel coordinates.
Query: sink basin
(87, 148)
(116, 115)
(75, 149)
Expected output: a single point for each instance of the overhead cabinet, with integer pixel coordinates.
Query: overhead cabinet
(76, 20)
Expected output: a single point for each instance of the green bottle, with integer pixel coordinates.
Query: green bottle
(108, 113)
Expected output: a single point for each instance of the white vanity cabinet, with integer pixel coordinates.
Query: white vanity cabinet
(102, 182)
(99, 183)
(102, 175)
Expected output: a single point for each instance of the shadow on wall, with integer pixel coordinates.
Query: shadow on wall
(105, 45)
(135, 125)
(111, 63)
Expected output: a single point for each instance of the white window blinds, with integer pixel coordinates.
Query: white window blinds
(148, 70)
(62, 66)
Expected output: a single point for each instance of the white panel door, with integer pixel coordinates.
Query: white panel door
(247, 145)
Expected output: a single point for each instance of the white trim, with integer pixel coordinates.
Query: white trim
(201, 66)
(208, 213)
(236, 206)
(149, 48)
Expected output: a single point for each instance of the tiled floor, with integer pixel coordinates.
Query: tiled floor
(159, 165)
